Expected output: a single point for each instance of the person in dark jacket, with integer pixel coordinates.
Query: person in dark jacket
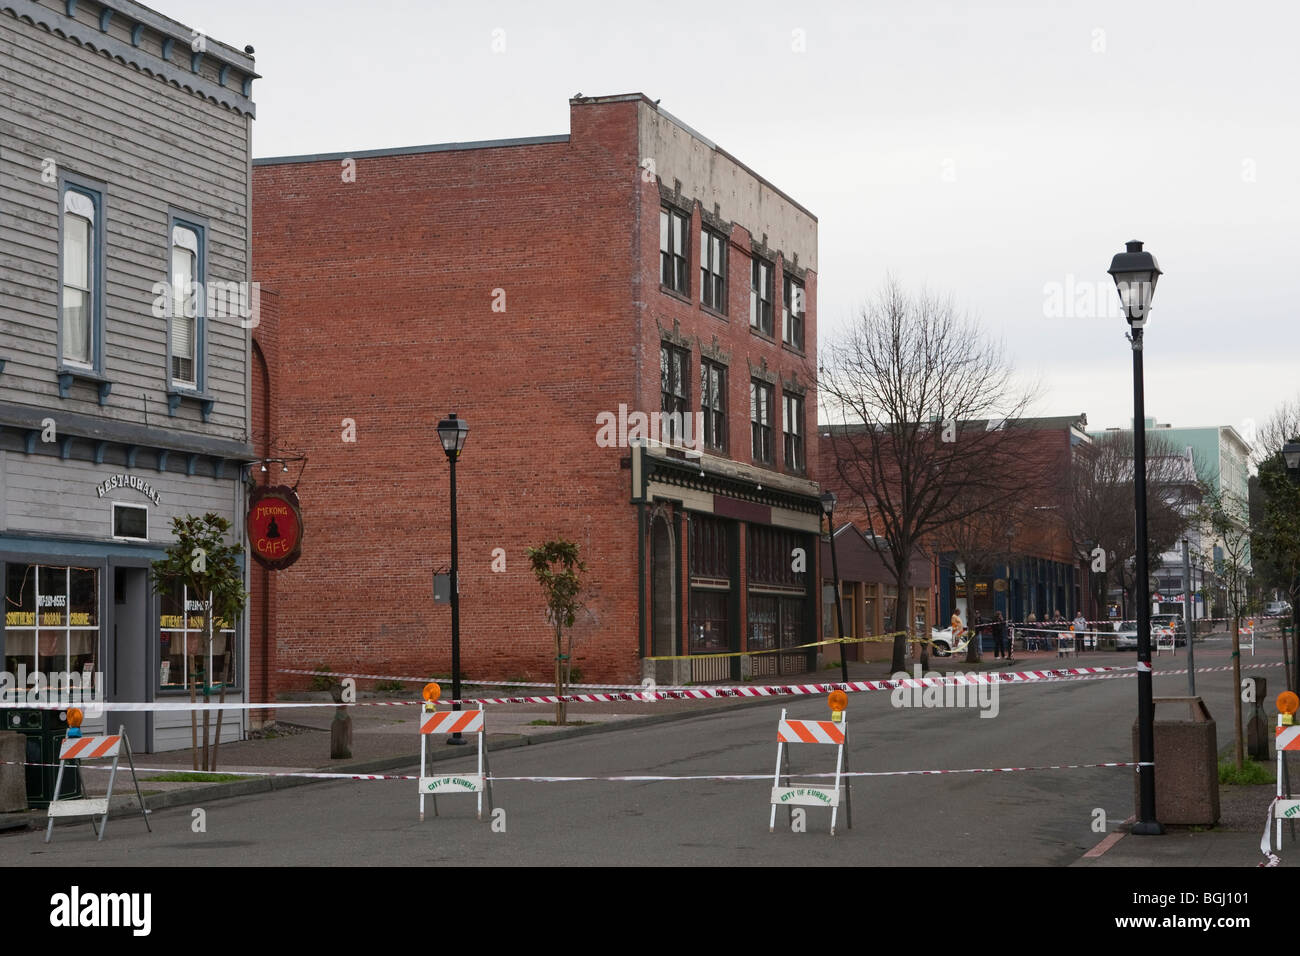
(999, 636)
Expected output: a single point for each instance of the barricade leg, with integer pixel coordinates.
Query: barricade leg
(776, 780)
(58, 786)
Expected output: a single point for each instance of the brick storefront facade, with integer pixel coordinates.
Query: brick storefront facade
(518, 284)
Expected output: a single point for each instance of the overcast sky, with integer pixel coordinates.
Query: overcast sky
(990, 151)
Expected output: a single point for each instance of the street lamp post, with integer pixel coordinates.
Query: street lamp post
(1291, 457)
(828, 506)
(1135, 273)
(452, 432)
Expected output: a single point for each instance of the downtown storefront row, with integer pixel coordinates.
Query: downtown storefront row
(728, 564)
(83, 518)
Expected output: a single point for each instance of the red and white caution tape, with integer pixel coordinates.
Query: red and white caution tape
(468, 683)
(1000, 678)
(620, 778)
(1266, 844)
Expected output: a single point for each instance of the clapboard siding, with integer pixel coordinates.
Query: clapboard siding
(157, 148)
(40, 490)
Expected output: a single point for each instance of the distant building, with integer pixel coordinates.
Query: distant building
(1219, 457)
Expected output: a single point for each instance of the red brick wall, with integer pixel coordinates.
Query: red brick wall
(387, 288)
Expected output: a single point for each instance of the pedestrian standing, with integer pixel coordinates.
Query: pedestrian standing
(999, 636)
(1080, 625)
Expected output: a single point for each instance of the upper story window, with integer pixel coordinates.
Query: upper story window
(185, 322)
(713, 270)
(673, 258)
(673, 363)
(793, 307)
(713, 403)
(760, 296)
(81, 252)
(760, 420)
(792, 428)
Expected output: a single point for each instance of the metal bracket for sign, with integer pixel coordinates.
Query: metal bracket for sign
(78, 748)
(789, 795)
(433, 721)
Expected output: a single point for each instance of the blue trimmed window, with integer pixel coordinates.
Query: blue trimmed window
(185, 324)
(81, 274)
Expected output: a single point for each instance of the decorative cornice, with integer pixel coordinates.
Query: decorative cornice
(673, 335)
(133, 54)
(713, 352)
(761, 372)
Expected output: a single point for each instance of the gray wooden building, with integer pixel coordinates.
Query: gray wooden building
(125, 313)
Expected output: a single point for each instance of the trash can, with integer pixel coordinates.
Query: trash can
(44, 730)
(1187, 763)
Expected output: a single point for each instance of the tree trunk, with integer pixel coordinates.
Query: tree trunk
(216, 742)
(194, 715)
(559, 677)
(1236, 691)
(901, 629)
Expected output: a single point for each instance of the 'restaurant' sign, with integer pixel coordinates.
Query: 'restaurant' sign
(274, 526)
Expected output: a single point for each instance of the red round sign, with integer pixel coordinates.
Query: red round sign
(274, 526)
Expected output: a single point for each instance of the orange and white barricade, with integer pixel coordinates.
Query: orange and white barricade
(1247, 637)
(433, 721)
(1166, 641)
(89, 748)
(1287, 738)
(789, 795)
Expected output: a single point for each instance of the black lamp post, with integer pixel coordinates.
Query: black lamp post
(1135, 273)
(452, 432)
(1291, 456)
(828, 506)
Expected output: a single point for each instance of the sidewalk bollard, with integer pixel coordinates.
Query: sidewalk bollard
(340, 727)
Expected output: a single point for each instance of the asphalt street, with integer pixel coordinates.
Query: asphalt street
(1028, 818)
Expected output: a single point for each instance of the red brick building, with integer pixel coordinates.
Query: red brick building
(560, 294)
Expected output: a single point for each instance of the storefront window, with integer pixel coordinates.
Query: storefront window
(890, 607)
(186, 649)
(762, 622)
(51, 619)
(868, 610)
(708, 621)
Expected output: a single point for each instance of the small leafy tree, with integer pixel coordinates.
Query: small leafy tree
(559, 569)
(201, 560)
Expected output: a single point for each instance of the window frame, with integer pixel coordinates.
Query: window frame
(759, 428)
(682, 402)
(760, 307)
(715, 416)
(792, 322)
(792, 412)
(199, 226)
(680, 259)
(113, 509)
(713, 275)
(97, 193)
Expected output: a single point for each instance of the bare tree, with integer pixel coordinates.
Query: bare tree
(1100, 512)
(920, 401)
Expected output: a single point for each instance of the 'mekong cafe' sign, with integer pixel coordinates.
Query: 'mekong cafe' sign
(274, 526)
